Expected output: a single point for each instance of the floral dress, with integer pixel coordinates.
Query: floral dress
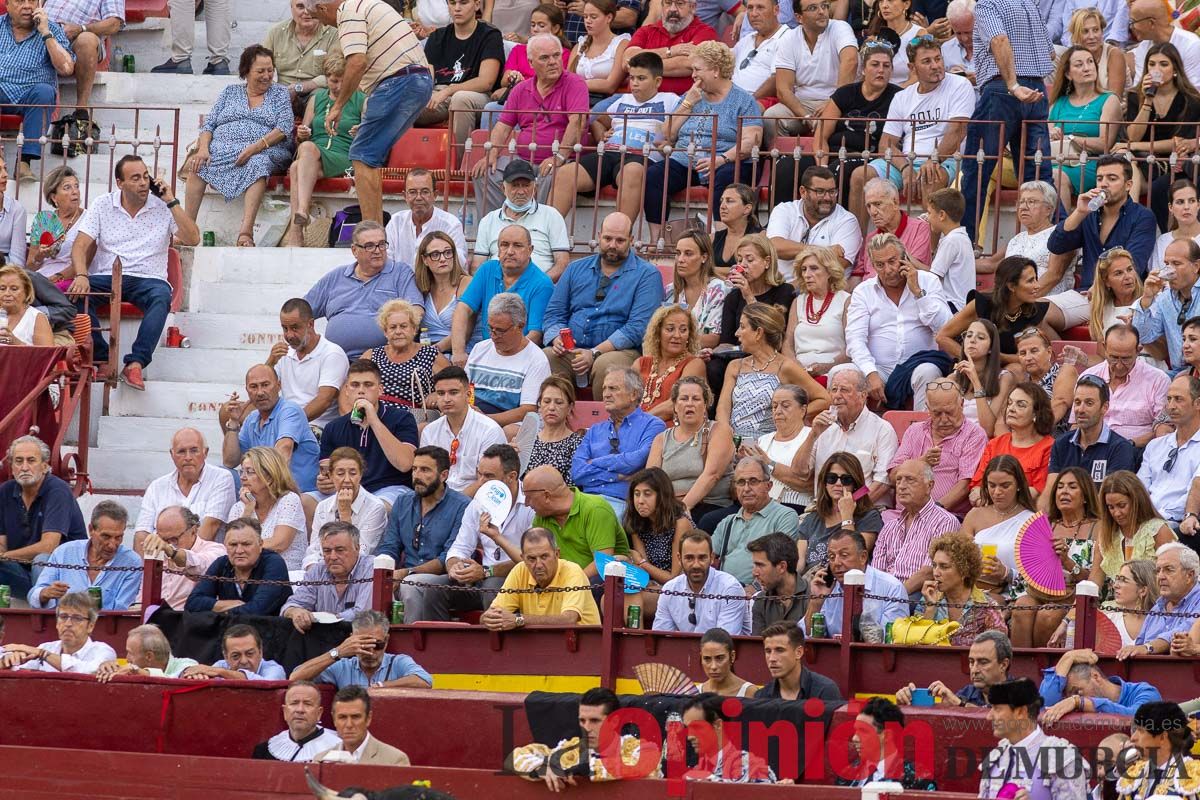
(980, 615)
(709, 306)
(234, 127)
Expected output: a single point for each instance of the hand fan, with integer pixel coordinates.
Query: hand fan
(495, 498)
(1037, 562)
(526, 438)
(658, 678)
(636, 578)
(47, 239)
(1108, 638)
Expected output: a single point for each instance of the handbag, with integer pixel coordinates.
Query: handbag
(919, 630)
(76, 131)
(673, 230)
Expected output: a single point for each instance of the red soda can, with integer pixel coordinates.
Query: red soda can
(567, 338)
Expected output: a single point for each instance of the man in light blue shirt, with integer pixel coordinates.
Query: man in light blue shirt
(1160, 314)
(1077, 684)
(606, 301)
(847, 551)
(242, 647)
(677, 612)
(1171, 461)
(273, 422)
(361, 660)
(102, 562)
(345, 575)
(1176, 566)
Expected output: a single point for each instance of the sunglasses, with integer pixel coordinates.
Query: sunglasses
(417, 536)
(454, 444)
(1171, 456)
(692, 611)
(606, 282)
(749, 57)
(845, 480)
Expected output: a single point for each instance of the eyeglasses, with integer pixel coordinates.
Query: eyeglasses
(743, 483)
(845, 480)
(606, 282)
(821, 192)
(372, 247)
(417, 536)
(1171, 456)
(749, 57)
(1121, 359)
(944, 385)
(74, 619)
(439, 255)
(494, 331)
(692, 611)
(454, 444)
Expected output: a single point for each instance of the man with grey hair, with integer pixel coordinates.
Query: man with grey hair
(350, 297)
(97, 562)
(616, 448)
(177, 539)
(385, 60)
(542, 568)
(548, 235)
(958, 52)
(147, 652)
(902, 547)
(512, 271)
(339, 585)
(38, 512)
(757, 516)
(673, 38)
(883, 210)
(204, 488)
(73, 651)
(538, 112)
(361, 660)
(892, 322)
(507, 369)
(1175, 568)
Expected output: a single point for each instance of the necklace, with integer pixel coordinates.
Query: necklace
(814, 317)
(1013, 317)
(754, 364)
(655, 384)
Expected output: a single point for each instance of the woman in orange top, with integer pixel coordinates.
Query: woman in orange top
(671, 344)
(1030, 421)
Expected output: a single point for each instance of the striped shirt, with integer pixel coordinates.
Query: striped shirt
(1022, 23)
(27, 62)
(83, 12)
(903, 547)
(374, 29)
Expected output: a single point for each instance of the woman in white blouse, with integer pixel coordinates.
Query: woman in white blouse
(816, 332)
(1183, 208)
(697, 288)
(270, 495)
(600, 55)
(349, 503)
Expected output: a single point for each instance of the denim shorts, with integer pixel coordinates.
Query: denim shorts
(392, 108)
(889, 171)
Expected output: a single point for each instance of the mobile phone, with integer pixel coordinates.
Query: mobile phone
(863, 491)
(156, 187)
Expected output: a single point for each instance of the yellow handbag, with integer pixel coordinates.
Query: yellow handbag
(918, 630)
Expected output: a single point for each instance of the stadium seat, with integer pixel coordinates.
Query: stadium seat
(985, 281)
(588, 413)
(1089, 347)
(1080, 333)
(174, 277)
(900, 420)
(419, 147)
(10, 122)
(138, 10)
(667, 271)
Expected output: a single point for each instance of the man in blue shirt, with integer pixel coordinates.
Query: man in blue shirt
(421, 528)
(514, 272)
(110, 566)
(38, 512)
(606, 301)
(361, 660)
(1092, 446)
(848, 551)
(221, 590)
(614, 449)
(1160, 315)
(349, 297)
(1077, 684)
(1121, 221)
(273, 422)
(242, 647)
(1176, 566)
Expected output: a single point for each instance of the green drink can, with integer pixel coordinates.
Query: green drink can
(397, 612)
(128, 63)
(887, 634)
(97, 596)
(210, 239)
(819, 631)
(634, 617)
(5, 596)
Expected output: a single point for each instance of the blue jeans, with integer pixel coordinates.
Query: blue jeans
(491, 115)
(392, 109)
(673, 176)
(20, 577)
(152, 296)
(19, 100)
(995, 103)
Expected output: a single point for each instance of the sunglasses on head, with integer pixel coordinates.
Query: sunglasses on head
(845, 480)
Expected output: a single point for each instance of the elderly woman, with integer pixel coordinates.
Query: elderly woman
(320, 155)
(951, 594)
(718, 145)
(599, 58)
(407, 366)
(1084, 117)
(246, 138)
(349, 503)
(697, 454)
(789, 407)
(738, 212)
(73, 651)
(556, 442)
(697, 288)
(12, 223)
(61, 222)
(270, 496)
(20, 322)
(816, 326)
(671, 345)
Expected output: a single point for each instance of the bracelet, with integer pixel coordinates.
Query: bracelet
(1012, 87)
(173, 203)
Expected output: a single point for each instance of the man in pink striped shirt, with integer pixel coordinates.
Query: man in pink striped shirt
(948, 442)
(902, 549)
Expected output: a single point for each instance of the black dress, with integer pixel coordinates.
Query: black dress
(719, 238)
(1008, 329)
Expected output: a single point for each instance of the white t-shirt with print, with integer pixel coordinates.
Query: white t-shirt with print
(954, 98)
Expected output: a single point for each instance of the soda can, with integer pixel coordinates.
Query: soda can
(634, 617)
(819, 631)
(97, 596)
(397, 612)
(210, 239)
(887, 633)
(5, 596)
(128, 64)
(567, 338)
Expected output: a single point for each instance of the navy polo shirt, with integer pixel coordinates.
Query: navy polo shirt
(1109, 453)
(341, 432)
(54, 509)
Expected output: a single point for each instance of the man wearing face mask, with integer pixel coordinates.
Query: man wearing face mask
(521, 206)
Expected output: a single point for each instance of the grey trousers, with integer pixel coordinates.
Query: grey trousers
(217, 26)
(428, 602)
(489, 190)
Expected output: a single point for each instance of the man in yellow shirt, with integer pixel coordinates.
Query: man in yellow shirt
(541, 568)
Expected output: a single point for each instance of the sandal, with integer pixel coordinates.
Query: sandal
(301, 220)
(245, 239)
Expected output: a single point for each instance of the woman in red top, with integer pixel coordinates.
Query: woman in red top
(1030, 422)
(671, 344)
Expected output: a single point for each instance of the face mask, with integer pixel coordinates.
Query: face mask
(511, 206)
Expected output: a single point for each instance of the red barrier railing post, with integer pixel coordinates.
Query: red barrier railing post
(152, 577)
(383, 585)
(1087, 606)
(612, 617)
(853, 587)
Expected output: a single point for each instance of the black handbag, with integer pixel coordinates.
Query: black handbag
(77, 132)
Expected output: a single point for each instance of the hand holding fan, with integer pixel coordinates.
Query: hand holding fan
(47, 239)
(1108, 638)
(495, 499)
(1037, 561)
(636, 578)
(658, 678)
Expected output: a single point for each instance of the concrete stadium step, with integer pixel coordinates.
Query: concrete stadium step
(228, 331)
(203, 364)
(167, 91)
(292, 266)
(235, 299)
(154, 433)
(184, 401)
(131, 503)
(127, 469)
(150, 41)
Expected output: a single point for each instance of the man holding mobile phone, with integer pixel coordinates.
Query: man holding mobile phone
(847, 551)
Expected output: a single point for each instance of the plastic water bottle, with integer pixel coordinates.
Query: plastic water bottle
(1097, 202)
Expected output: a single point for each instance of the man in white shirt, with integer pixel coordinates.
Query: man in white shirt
(349, 502)
(506, 368)
(207, 490)
(175, 537)
(311, 368)
(135, 226)
(407, 228)
(755, 53)
(696, 615)
(74, 651)
(500, 545)
(547, 228)
(815, 219)
(893, 317)
(813, 60)
(1150, 21)
(461, 431)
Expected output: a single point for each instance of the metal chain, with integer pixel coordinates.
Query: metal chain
(1044, 606)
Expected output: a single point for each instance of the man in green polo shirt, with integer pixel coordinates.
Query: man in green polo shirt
(583, 524)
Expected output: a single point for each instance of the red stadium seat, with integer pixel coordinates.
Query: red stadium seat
(985, 281)
(588, 413)
(174, 277)
(900, 420)
(419, 147)
(138, 10)
(10, 122)
(1080, 333)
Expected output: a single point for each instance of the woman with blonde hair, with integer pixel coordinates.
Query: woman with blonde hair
(951, 593)
(697, 287)
(22, 324)
(406, 365)
(816, 326)
(1130, 527)
(1116, 288)
(270, 496)
(1087, 28)
(1134, 592)
(441, 280)
(671, 346)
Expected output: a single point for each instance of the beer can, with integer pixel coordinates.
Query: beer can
(5, 596)
(818, 631)
(97, 596)
(397, 612)
(887, 633)
(128, 64)
(567, 338)
(634, 617)
(210, 239)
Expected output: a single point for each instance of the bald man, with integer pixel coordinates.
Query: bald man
(582, 524)
(606, 301)
(268, 420)
(511, 271)
(206, 489)
(188, 556)
(1150, 23)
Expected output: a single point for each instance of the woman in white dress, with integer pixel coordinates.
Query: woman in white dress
(1134, 592)
(816, 326)
(20, 322)
(599, 56)
(1005, 505)
(269, 494)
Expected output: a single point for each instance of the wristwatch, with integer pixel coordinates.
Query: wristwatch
(520, 619)
(489, 572)
(298, 88)
(595, 351)
(981, 395)
(334, 654)
(231, 426)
